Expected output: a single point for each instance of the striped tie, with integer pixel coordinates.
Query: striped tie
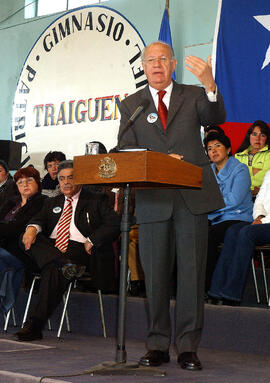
(63, 233)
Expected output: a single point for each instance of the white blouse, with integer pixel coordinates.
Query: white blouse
(262, 202)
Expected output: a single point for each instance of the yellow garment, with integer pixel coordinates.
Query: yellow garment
(261, 160)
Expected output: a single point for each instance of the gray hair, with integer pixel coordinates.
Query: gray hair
(158, 42)
(67, 164)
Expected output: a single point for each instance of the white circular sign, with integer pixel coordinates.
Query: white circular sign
(73, 81)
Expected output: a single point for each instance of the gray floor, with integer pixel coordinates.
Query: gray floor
(235, 346)
(75, 354)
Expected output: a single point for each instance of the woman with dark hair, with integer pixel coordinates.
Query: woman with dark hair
(212, 128)
(14, 216)
(234, 183)
(255, 153)
(229, 278)
(7, 185)
(50, 184)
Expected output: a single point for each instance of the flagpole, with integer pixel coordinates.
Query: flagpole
(165, 30)
(167, 6)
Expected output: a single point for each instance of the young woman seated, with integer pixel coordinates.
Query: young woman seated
(229, 278)
(255, 153)
(234, 183)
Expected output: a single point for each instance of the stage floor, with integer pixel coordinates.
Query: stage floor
(235, 346)
(74, 354)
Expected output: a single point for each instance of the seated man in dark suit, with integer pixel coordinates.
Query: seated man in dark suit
(61, 238)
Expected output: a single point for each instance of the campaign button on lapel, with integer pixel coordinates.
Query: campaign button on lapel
(57, 209)
(152, 117)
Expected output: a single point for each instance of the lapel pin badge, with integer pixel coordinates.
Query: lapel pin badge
(57, 209)
(152, 117)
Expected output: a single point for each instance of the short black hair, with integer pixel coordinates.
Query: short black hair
(213, 128)
(53, 156)
(222, 138)
(4, 165)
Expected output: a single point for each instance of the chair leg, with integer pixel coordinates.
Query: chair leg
(264, 278)
(128, 280)
(36, 277)
(7, 320)
(7, 316)
(13, 317)
(64, 310)
(66, 315)
(102, 314)
(255, 281)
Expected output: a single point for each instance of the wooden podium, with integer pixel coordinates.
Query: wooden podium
(139, 169)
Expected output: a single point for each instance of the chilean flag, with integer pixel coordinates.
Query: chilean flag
(241, 61)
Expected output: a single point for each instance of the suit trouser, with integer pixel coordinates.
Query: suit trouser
(52, 282)
(183, 236)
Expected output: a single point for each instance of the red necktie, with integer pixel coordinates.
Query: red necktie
(63, 233)
(162, 109)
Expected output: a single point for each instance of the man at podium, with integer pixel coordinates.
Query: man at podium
(173, 222)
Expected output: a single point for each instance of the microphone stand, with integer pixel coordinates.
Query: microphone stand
(120, 367)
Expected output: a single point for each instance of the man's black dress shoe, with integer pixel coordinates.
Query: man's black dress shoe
(71, 271)
(189, 361)
(154, 358)
(30, 331)
(137, 288)
(229, 302)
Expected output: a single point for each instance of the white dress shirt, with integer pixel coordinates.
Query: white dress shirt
(75, 234)
(166, 98)
(212, 97)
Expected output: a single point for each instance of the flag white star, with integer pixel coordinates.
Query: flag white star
(265, 21)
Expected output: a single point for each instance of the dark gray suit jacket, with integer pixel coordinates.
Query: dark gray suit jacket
(104, 223)
(103, 228)
(189, 109)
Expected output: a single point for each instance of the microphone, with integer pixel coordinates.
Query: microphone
(138, 111)
(143, 105)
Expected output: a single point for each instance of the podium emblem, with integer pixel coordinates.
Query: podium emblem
(107, 168)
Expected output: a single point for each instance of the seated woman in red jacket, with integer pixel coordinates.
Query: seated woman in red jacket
(14, 215)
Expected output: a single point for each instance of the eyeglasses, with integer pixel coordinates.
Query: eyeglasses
(52, 165)
(255, 134)
(26, 181)
(162, 60)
